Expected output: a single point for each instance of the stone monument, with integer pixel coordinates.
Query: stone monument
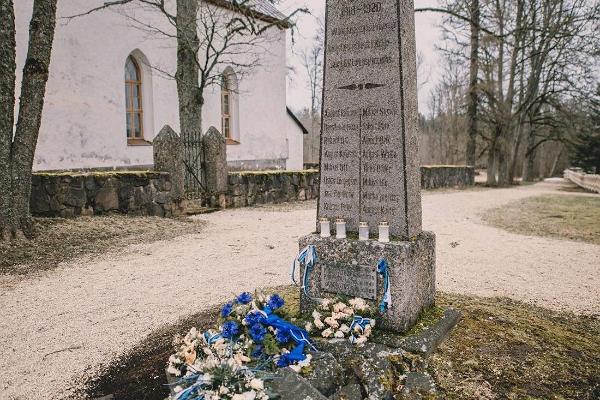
(214, 146)
(369, 166)
(168, 157)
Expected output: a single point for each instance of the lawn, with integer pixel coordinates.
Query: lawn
(560, 216)
(58, 240)
(501, 349)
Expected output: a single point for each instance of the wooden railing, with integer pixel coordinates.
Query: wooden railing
(586, 181)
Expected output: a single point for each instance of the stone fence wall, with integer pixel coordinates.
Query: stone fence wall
(71, 194)
(130, 192)
(249, 188)
(446, 176)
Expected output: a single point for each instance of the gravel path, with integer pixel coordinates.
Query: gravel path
(60, 327)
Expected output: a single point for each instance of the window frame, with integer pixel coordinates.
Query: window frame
(131, 112)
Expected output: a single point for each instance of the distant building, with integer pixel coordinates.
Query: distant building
(107, 97)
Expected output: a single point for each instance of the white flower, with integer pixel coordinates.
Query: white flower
(344, 328)
(367, 331)
(339, 315)
(241, 358)
(332, 322)
(348, 311)
(338, 334)
(257, 384)
(223, 389)
(325, 304)
(358, 303)
(308, 326)
(360, 341)
(175, 360)
(327, 333)
(173, 371)
(319, 324)
(339, 307)
(316, 314)
(295, 367)
(250, 395)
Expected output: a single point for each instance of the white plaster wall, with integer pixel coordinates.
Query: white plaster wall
(295, 139)
(83, 123)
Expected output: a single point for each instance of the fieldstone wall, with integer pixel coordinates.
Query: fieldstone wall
(95, 193)
(249, 188)
(444, 176)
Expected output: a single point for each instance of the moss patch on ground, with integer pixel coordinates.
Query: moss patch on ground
(501, 349)
(58, 240)
(560, 216)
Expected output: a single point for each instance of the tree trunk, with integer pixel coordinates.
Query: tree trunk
(529, 170)
(189, 93)
(7, 102)
(473, 72)
(33, 90)
(491, 164)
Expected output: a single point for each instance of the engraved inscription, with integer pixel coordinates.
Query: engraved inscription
(352, 280)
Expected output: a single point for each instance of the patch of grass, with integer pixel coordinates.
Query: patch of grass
(560, 216)
(503, 349)
(58, 240)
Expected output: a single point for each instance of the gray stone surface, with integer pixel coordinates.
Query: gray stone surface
(168, 157)
(291, 386)
(215, 161)
(427, 341)
(326, 373)
(411, 269)
(352, 280)
(369, 156)
(71, 195)
(348, 392)
(418, 384)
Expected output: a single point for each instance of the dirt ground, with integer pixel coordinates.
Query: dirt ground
(61, 326)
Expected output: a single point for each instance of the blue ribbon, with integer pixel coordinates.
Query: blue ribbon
(357, 320)
(308, 257)
(193, 391)
(210, 339)
(299, 335)
(386, 300)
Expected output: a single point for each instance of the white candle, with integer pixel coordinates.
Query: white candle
(363, 231)
(340, 229)
(325, 229)
(384, 232)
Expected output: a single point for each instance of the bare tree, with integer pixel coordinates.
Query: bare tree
(312, 63)
(533, 56)
(17, 149)
(210, 36)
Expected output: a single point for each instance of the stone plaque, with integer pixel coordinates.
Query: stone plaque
(353, 280)
(369, 156)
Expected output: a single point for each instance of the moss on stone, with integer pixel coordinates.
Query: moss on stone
(119, 173)
(303, 172)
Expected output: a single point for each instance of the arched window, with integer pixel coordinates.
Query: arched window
(229, 106)
(133, 99)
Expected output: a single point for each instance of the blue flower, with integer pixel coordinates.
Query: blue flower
(253, 318)
(257, 351)
(284, 361)
(257, 332)
(282, 336)
(244, 298)
(226, 310)
(230, 329)
(275, 301)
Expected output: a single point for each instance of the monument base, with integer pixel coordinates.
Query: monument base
(349, 267)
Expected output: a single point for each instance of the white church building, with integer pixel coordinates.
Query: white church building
(106, 98)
